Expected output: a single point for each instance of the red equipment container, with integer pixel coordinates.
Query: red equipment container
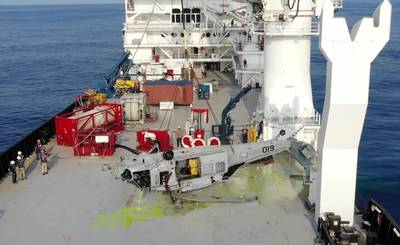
(99, 143)
(180, 92)
(145, 138)
(199, 134)
(106, 116)
(170, 72)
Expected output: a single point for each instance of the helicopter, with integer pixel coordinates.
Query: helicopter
(190, 169)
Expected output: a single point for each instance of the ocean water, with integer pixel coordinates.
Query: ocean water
(50, 54)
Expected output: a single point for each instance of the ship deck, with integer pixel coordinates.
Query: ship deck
(79, 203)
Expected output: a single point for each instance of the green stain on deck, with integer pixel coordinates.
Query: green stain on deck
(126, 217)
(267, 182)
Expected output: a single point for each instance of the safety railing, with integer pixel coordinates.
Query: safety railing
(201, 56)
(285, 28)
(134, 27)
(27, 145)
(380, 226)
(313, 120)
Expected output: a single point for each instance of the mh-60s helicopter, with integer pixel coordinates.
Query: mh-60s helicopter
(189, 169)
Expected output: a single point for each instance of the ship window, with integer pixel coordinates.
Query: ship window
(196, 15)
(176, 15)
(182, 35)
(187, 13)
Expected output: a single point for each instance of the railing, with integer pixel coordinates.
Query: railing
(201, 56)
(285, 28)
(176, 42)
(27, 144)
(380, 226)
(167, 26)
(314, 120)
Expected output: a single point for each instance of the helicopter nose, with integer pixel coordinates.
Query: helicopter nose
(126, 174)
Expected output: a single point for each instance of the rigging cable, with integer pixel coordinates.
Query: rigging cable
(141, 39)
(288, 4)
(292, 6)
(165, 114)
(297, 10)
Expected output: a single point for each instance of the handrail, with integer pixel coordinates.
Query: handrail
(285, 28)
(380, 225)
(27, 145)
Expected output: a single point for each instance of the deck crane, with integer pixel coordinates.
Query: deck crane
(225, 129)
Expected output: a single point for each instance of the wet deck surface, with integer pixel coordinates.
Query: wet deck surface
(78, 203)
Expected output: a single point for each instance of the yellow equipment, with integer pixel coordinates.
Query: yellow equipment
(194, 167)
(95, 97)
(252, 134)
(125, 84)
(100, 98)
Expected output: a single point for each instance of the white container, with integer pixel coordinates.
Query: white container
(134, 105)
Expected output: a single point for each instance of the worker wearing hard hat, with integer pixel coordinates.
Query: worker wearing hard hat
(13, 171)
(21, 166)
(179, 135)
(244, 134)
(43, 159)
(38, 149)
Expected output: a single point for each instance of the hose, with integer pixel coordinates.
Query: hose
(136, 152)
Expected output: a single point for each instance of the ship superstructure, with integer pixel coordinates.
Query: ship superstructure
(266, 43)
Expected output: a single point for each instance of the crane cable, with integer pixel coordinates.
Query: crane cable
(165, 114)
(141, 39)
(297, 10)
(288, 4)
(292, 6)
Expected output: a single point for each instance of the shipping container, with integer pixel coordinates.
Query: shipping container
(180, 92)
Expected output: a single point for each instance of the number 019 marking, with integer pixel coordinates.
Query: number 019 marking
(268, 148)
